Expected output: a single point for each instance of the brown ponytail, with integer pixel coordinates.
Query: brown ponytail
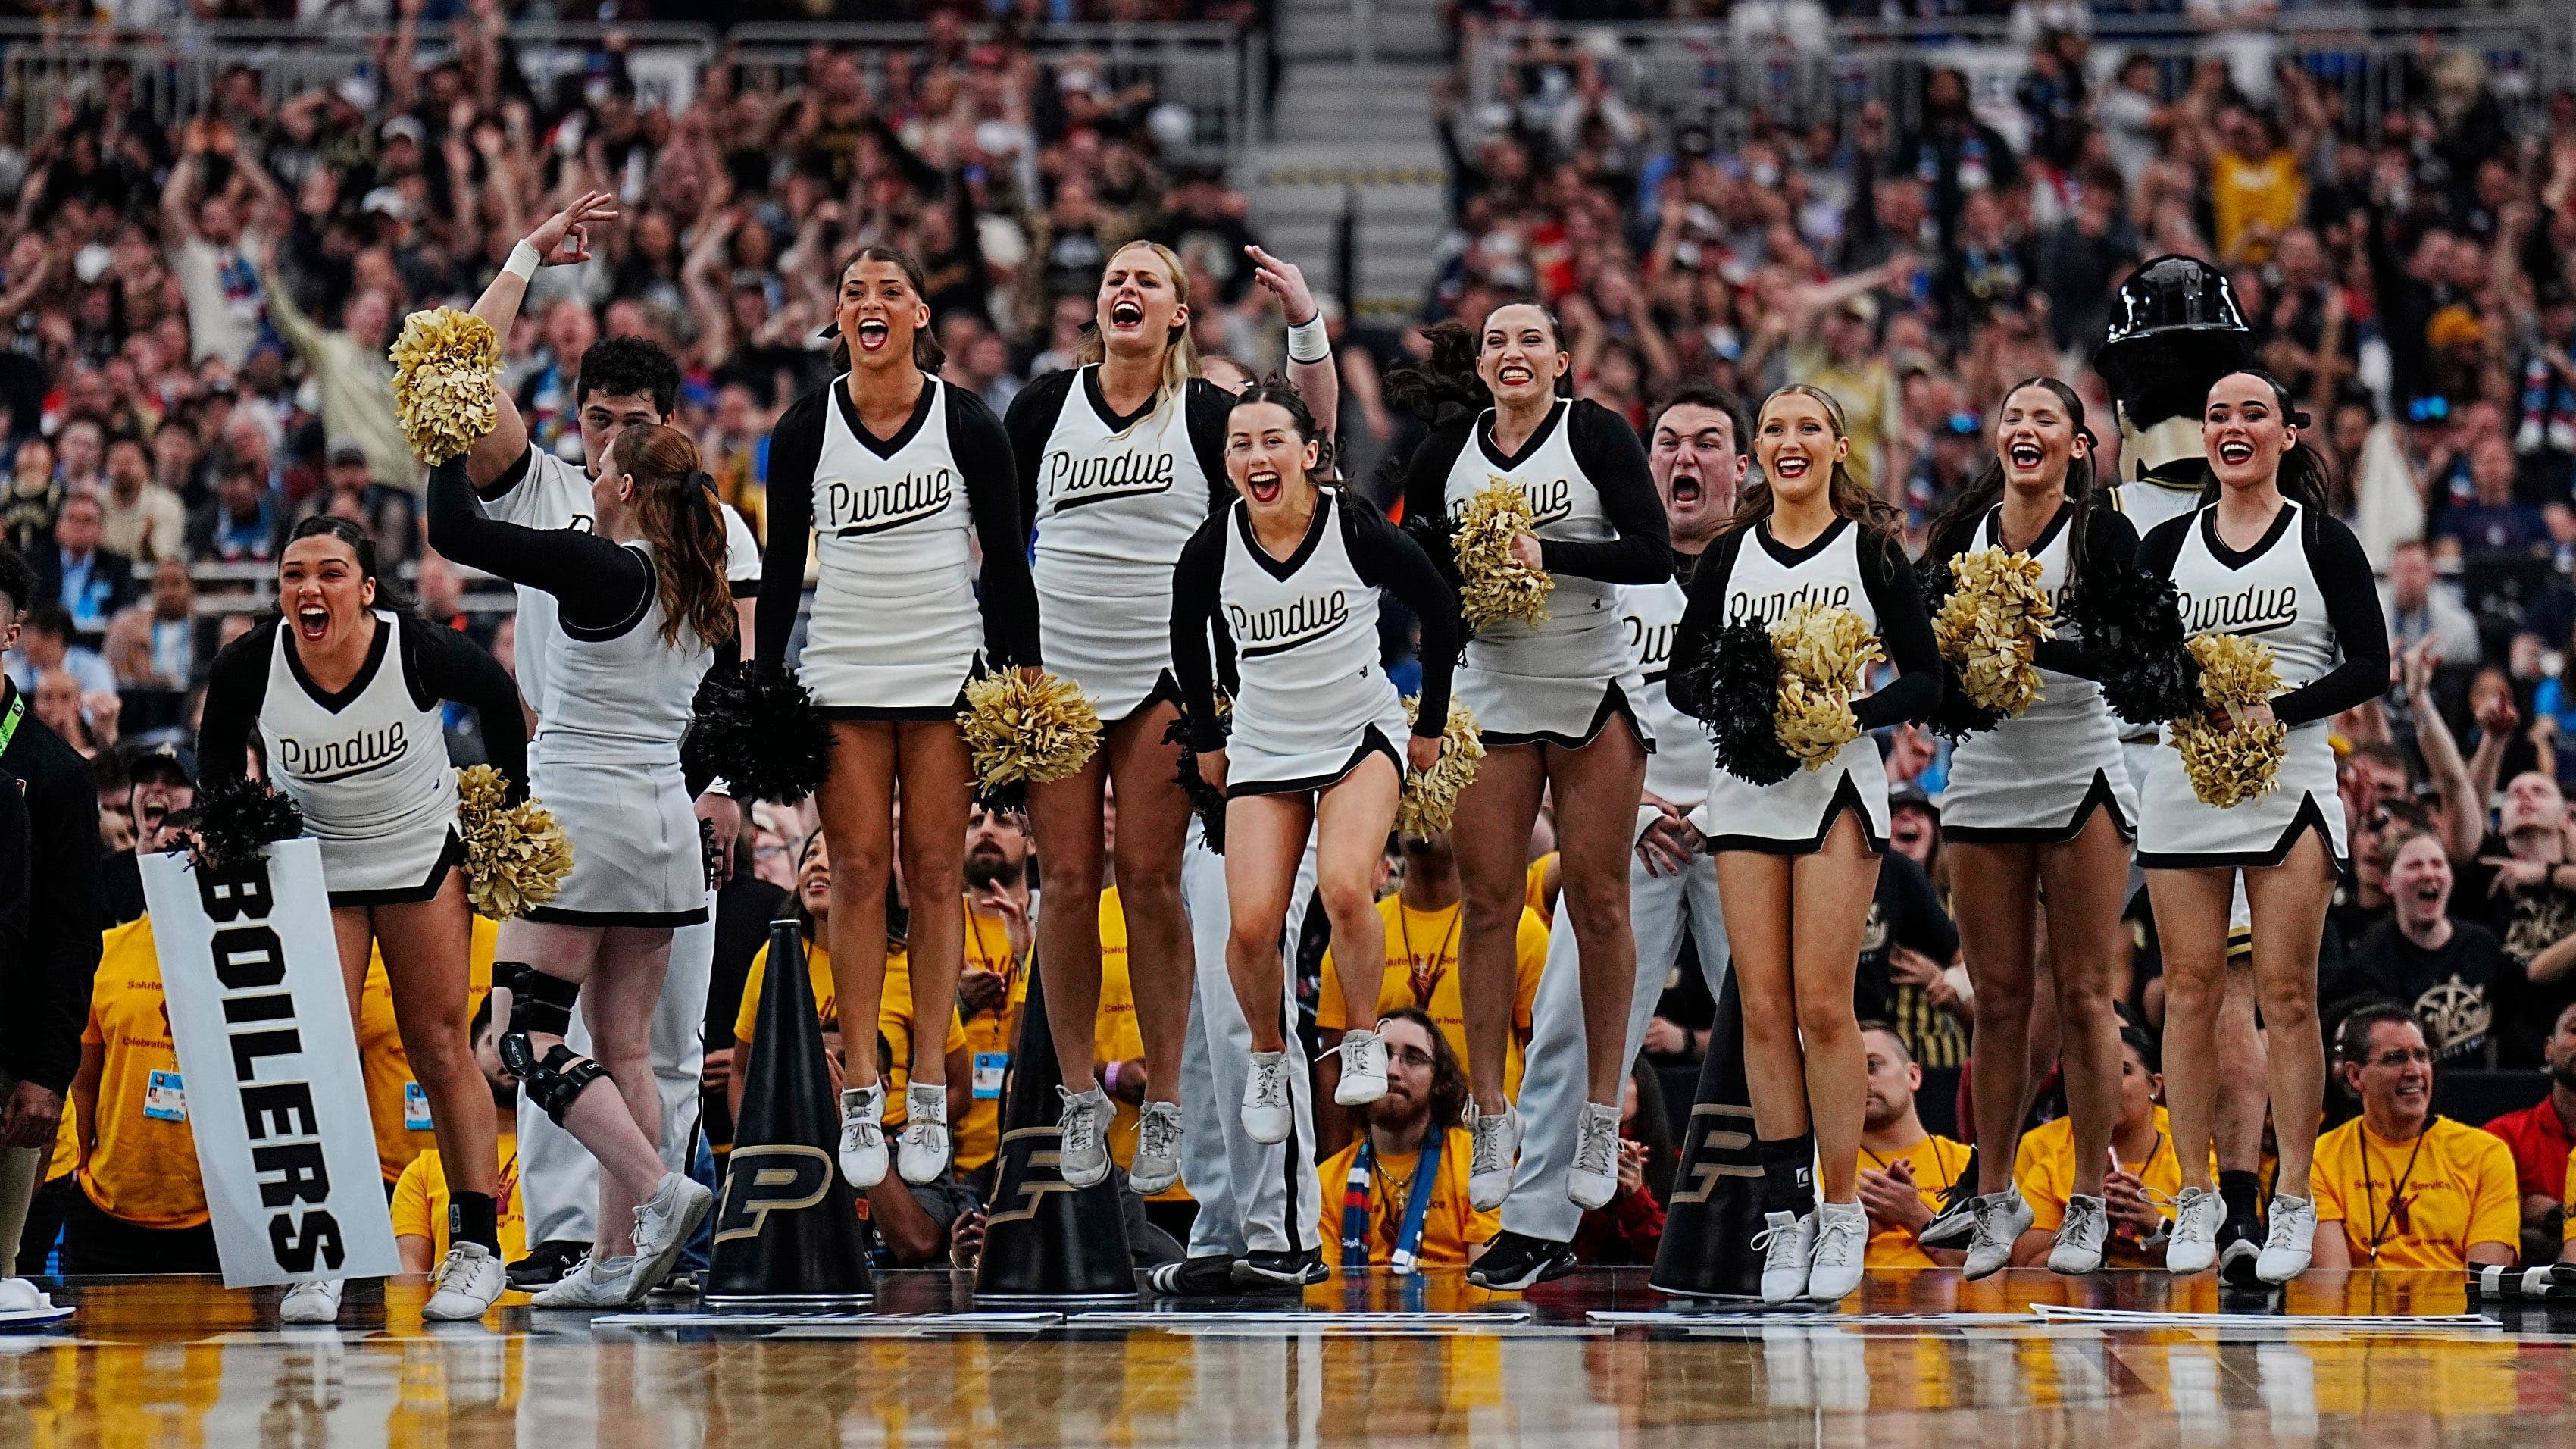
(675, 505)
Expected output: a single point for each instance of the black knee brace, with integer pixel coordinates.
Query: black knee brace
(538, 1003)
(553, 1083)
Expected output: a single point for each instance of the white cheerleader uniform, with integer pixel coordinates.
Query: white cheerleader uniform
(1311, 701)
(2304, 588)
(1748, 574)
(367, 765)
(1600, 525)
(2037, 777)
(897, 626)
(1111, 501)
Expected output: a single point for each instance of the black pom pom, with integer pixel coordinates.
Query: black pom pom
(235, 819)
(1735, 686)
(761, 731)
(2130, 622)
(1206, 801)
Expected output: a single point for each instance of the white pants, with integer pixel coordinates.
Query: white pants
(1554, 1082)
(1252, 1198)
(558, 1178)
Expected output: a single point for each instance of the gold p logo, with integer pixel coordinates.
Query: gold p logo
(763, 1180)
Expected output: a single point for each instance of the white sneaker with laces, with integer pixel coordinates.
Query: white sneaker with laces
(466, 1285)
(1157, 1164)
(1497, 1139)
(2081, 1237)
(2001, 1219)
(592, 1283)
(1363, 1069)
(2198, 1214)
(2290, 1240)
(1842, 1241)
(1082, 1141)
(1266, 1113)
(662, 1228)
(17, 1295)
(316, 1300)
(1787, 1241)
(923, 1153)
(863, 1146)
(1594, 1178)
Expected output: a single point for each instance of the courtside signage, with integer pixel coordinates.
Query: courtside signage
(251, 976)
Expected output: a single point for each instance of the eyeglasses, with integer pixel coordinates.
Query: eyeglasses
(2403, 1057)
(1410, 1057)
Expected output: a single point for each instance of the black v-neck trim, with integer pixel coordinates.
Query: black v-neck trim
(1789, 558)
(912, 425)
(2047, 534)
(2230, 558)
(1100, 403)
(1283, 569)
(337, 700)
(1529, 446)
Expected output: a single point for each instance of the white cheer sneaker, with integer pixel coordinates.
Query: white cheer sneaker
(316, 1300)
(1842, 1242)
(923, 1153)
(2290, 1241)
(1497, 1155)
(1266, 1113)
(1157, 1164)
(863, 1146)
(2081, 1237)
(2198, 1214)
(1787, 1241)
(1363, 1069)
(465, 1286)
(2001, 1219)
(663, 1224)
(1082, 1136)
(1594, 1178)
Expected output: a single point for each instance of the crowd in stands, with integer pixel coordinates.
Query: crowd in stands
(194, 312)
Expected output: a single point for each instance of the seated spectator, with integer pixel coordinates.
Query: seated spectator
(2542, 1136)
(2445, 969)
(2421, 608)
(2399, 1186)
(89, 582)
(390, 515)
(140, 1208)
(1629, 1228)
(397, 1108)
(47, 644)
(242, 523)
(57, 700)
(2491, 522)
(1904, 1170)
(153, 644)
(1414, 1147)
(2139, 1194)
(420, 1194)
(160, 783)
(141, 519)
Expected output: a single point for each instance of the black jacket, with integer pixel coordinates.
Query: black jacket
(47, 984)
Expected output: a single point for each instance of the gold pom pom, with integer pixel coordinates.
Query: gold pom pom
(447, 378)
(1823, 651)
(516, 856)
(1430, 803)
(1991, 625)
(1022, 733)
(1494, 586)
(2228, 767)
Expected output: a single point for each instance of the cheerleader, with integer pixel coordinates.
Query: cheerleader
(1797, 861)
(1548, 696)
(1292, 573)
(347, 697)
(899, 478)
(2039, 813)
(2264, 558)
(1120, 460)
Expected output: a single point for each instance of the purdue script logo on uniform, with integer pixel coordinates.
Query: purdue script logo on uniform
(1074, 481)
(1770, 608)
(2253, 609)
(783, 1177)
(852, 510)
(339, 759)
(277, 1108)
(1041, 1173)
(1651, 645)
(1285, 626)
(1711, 1151)
(1549, 499)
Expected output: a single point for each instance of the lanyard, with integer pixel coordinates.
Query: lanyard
(2379, 1225)
(1417, 1205)
(1423, 985)
(9, 721)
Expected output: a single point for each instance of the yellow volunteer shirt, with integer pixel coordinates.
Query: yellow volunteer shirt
(1936, 1162)
(894, 1013)
(1115, 1037)
(1535, 893)
(1422, 971)
(988, 1034)
(420, 1203)
(2242, 192)
(141, 1167)
(2418, 1204)
(395, 1101)
(2045, 1172)
(1450, 1225)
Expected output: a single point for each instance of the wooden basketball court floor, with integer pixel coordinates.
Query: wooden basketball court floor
(1915, 1359)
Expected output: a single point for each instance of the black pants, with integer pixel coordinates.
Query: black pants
(93, 1242)
(44, 1226)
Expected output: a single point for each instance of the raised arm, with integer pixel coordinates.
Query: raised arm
(1316, 379)
(560, 240)
(599, 584)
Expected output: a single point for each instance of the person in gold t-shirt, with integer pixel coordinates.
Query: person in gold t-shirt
(2137, 1197)
(420, 1194)
(395, 1102)
(1118, 1044)
(998, 933)
(141, 1208)
(1904, 1170)
(1369, 1220)
(1422, 919)
(2399, 1186)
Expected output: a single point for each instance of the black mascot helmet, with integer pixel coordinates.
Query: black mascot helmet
(2175, 328)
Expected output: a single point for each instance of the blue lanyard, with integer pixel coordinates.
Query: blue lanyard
(1417, 1206)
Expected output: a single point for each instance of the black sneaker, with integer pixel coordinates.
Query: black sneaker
(1955, 1225)
(1272, 1272)
(1211, 1277)
(545, 1264)
(2240, 1242)
(1514, 1261)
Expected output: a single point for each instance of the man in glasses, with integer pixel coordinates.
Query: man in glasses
(2400, 1186)
(1397, 1197)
